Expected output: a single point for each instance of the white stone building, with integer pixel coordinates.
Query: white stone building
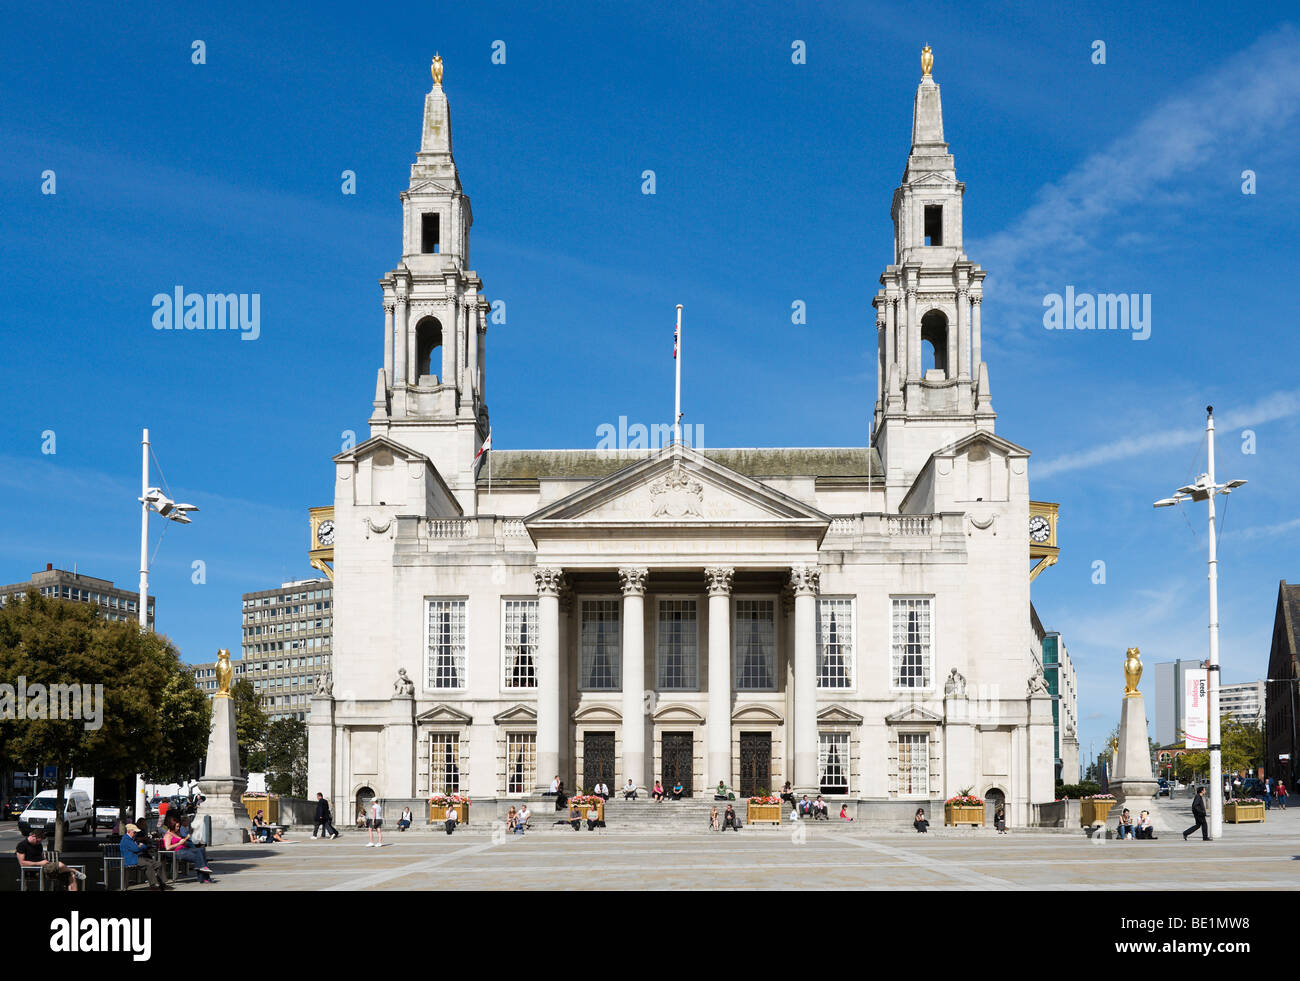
(852, 620)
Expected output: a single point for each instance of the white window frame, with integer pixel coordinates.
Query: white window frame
(924, 738)
(429, 601)
(733, 613)
(894, 686)
(524, 736)
(846, 740)
(659, 676)
(439, 786)
(536, 646)
(852, 666)
(617, 599)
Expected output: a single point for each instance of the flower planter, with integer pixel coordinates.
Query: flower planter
(762, 813)
(1094, 812)
(1235, 813)
(598, 807)
(955, 814)
(269, 806)
(438, 813)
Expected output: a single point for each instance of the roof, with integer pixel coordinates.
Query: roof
(1289, 599)
(758, 463)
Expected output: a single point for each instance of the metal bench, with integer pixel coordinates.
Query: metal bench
(113, 856)
(42, 876)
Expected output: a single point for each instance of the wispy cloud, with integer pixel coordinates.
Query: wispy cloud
(1263, 531)
(1252, 97)
(1278, 405)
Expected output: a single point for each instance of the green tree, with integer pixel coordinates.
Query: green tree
(287, 757)
(250, 725)
(50, 642)
(187, 721)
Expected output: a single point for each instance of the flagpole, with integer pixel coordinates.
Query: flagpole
(677, 415)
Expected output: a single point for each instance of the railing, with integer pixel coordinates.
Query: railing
(887, 525)
(909, 525)
(452, 528)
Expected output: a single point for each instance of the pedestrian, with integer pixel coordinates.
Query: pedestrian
(1000, 819)
(324, 823)
(1281, 794)
(375, 824)
(452, 817)
(1198, 815)
(135, 854)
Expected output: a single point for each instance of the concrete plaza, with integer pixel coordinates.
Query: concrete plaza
(1247, 857)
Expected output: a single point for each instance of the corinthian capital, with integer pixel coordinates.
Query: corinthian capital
(719, 581)
(549, 581)
(633, 581)
(805, 580)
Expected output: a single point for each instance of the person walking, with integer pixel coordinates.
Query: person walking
(375, 824)
(324, 824)
(1281, 795)
(1198, 815)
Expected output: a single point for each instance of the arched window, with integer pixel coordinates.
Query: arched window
(934, 342)
(428, 346)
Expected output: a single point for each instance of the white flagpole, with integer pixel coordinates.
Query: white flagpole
(677, 416)
(489, 453)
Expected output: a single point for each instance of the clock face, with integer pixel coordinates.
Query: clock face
(325, 532)
(1039, 529)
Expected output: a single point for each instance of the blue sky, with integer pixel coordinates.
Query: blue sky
(773, 184)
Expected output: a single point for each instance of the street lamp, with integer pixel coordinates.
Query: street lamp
(1205, 489)
(153, 499)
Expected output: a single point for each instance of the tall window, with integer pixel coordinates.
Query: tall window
(521, 762)
(519, 643)
(755, 633)
(444, 762)
(834, 643)
(911, 643)
(602, 645)
(677, 645)
(913, 764)
(833, 762)
(445, 660)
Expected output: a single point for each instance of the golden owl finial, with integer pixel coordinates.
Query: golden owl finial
(225, 673)
(1132, 671)
(436, 69)
(927, 61)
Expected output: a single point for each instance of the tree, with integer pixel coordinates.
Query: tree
(287, 757)
(111, 682)
(187, 722)
(250, 725)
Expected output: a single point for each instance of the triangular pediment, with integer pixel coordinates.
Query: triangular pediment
(677, 485)
(430, 187)
(839, 715)
(933, 178)
(444, 715)
(914, 714)
(995, 443)
(379, 445)
(516, 715)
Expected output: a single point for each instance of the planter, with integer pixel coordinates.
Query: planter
(438, 813)
(763, 813)
(1235, 813)
(599, 808)
(269, 806)
(955, 814)
(1093, 812)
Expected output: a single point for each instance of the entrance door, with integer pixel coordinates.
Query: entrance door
(755, 763)
(678, 750)
(598, 760)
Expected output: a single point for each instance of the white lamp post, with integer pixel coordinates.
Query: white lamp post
(1205, 489)
(151, 498)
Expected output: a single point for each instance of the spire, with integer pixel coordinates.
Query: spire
(436, 138)
(929, 151)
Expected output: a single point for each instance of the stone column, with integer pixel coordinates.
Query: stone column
(882, 360)
(891, 341)
(634, 706)
(388, 340)
(222, 782)
(471, 350)
(912, 335)
(400, 350)
(805, 580)
(963, 335)
(549, 584)
(718, 735)
(975, 353)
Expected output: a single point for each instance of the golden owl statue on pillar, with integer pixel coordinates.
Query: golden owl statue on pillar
(1132, 671)
(225, 672)
(436, 69)
(927, 61)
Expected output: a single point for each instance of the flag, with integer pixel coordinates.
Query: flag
(674, 343)
(478, 457)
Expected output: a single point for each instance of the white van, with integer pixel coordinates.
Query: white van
(79, 812)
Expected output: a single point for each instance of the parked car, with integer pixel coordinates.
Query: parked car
(78, 814)
(16, 806)
(107, 813)
(1164, 790)
(1251, 787)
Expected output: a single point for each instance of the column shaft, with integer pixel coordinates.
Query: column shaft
(963, 335)
(634, 702)
(399, 352)
(805, 580)
(388, 343)
(718, 733)
(549, 582)
(975, 352)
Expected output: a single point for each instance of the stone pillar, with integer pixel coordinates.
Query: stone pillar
(549, 584)
(963, 335)
(891, 341)
(805, 580)
(975, 353)
(320, 743)
(412, 361)
(634, 707)
(882, 360)
(388, 340)
(912, 333)
(718, 735)
(222, 782)
(400, 349)
(471, 351)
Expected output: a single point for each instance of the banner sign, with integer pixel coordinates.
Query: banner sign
(1196, 704)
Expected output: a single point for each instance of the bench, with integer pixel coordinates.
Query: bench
(25, 872)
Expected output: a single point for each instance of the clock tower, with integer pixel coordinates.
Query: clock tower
(934, 386)
(429, 394)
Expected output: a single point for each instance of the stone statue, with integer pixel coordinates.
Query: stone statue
(956, 684)
(403, 685)
(436, 69)
(1037, 682)
(225, 673)
(927, 61)
(1132, 671)
(325, 683)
